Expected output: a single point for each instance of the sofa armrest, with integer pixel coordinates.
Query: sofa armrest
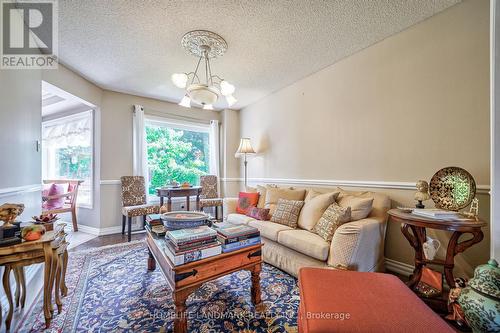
(229, 206)
(358, 245)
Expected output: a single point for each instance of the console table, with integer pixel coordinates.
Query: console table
(170, 192)
(417, 237)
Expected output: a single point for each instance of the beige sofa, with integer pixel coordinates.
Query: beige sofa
(358, 245)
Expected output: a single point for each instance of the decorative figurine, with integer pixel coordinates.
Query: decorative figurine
(9, 212)
(473, 211)
(456, 314)
(422, 193)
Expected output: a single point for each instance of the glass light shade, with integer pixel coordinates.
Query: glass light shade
(226, 88)
(180, 80)
(203, 94)
(185, 102)
(208, 107)
(231, 100)
(245, 147)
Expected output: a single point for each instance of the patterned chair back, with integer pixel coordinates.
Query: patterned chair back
(133, 191)
(209, 187)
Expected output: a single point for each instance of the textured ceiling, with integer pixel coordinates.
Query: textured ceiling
(134, 46)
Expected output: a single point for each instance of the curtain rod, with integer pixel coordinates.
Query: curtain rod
(180, 117)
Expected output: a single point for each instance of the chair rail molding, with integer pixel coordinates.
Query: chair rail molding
(11, 191)
(110, 182)
(483, 189)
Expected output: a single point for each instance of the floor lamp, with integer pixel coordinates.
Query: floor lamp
(244, 149)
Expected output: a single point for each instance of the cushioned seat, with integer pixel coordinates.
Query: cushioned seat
(140, 210)
(268, 229)
(238, 218)
(211, 202)
(346, 301)
(305, 242)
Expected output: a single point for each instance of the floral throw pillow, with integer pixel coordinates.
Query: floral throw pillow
(333, 217)
(287, 212)
(246, 201)
(258, 213)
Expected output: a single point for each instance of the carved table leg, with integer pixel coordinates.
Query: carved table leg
(6, 287)
(18, 286)
(23, 286)
(454, 248)
(256, 300)
(151, 261)
(180, 321)
(416, 238)
(64, 288)
(46, 283)
(57, 286)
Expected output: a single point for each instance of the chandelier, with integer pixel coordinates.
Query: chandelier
(202, 87)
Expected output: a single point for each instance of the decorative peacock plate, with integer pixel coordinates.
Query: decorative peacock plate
(452, 188)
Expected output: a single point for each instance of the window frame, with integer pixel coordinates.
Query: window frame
(192, 126)
(66, 118)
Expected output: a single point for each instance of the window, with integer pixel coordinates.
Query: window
(67, 148)
(176, 151)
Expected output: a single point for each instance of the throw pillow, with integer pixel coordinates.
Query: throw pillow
(55, 189)
(287, 212)
(333, 217)
(246, 201)
(273, 194)
(314, 208)
(360, 207)
(262, 191)
(258, 213)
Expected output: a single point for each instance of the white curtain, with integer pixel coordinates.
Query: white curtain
(71, 131)
(139, 150)
(214, 148)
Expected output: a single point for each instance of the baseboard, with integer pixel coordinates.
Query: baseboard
(398, 267)
(105, 231)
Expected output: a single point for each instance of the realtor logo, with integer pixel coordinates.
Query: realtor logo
(28, 34)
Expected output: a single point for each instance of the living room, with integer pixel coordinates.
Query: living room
(328, 125)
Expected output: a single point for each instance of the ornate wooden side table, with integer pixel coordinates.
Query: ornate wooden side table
(414, 228)
(50, 249)
(170, 192)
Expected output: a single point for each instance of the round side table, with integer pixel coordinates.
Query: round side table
(417, 237)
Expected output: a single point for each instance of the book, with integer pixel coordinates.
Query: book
(153, 219)
(241, 244)
(191, 234)
(436, 213)
(195, 245)
(233, 231)
(190, 256)
(225, 240)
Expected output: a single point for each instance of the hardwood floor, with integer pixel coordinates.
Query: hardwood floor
(107, 240)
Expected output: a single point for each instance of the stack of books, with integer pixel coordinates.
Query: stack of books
(439, 214)
(153, 220)
(234, 237)
(187, 245)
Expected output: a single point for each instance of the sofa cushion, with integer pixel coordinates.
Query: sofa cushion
(258, 213)
(315, 205)
(238, 218)
(262, 194)
(287, 212)
(268, 229)
(333, 217)
(360, 206)
(275, 193)
(305, 242)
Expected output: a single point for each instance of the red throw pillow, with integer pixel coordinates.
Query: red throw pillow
(246, 201)
(55, 189)
(259, 213)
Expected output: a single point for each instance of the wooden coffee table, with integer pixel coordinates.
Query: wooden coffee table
(185, 279)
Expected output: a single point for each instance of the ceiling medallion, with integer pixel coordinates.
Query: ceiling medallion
(202, 87)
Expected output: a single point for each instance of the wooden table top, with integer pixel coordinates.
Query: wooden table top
(400, 216)
(180, 188)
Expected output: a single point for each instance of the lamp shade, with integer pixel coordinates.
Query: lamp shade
(245, 147)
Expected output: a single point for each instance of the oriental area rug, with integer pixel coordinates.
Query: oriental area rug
(110, 290)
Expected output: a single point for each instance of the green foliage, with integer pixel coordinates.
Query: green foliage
(75, 162)
(177, 155)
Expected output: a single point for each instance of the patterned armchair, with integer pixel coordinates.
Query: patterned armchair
(134, 202)
(209, 194)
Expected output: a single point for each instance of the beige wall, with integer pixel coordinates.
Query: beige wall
(396, 112)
